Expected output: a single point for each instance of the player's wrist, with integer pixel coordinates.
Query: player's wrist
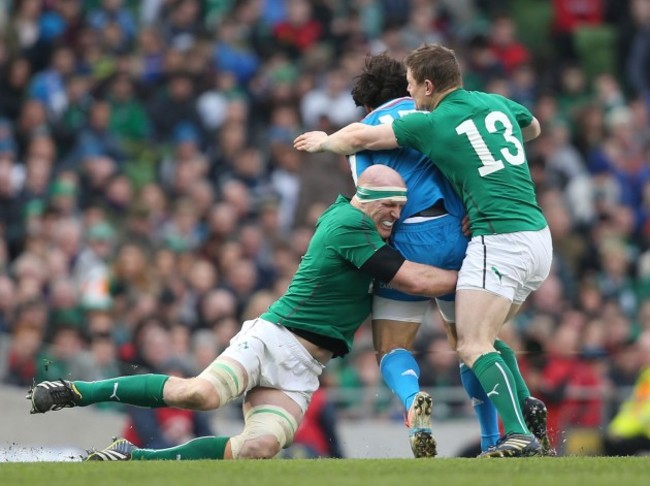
(324, 145)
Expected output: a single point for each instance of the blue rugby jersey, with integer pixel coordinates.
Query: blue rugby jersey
(424, 182)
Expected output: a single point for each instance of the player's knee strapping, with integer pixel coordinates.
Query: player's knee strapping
(229, 380)
(265, 420)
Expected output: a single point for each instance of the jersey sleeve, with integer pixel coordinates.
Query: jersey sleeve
(523, 116)
(408, 130)
(357, 243)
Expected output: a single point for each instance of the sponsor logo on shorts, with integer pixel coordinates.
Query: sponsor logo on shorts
(497, 273)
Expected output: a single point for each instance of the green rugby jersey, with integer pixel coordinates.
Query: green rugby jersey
(475, 139)
(328, 295)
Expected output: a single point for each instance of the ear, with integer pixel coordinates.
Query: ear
(428, 87)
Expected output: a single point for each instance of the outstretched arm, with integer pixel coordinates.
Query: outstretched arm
(348, 140)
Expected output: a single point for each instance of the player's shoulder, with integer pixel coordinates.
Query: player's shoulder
(394, 109)
(340, 213)
(489, 98)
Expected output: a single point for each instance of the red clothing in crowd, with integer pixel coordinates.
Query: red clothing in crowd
(512, 55)
(569, 14)
(301, 37)
(571, 390)
(310, 433)
(163, 417)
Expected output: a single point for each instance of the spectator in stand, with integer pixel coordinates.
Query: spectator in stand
(299, 31)
(570, 386)
(113, 11)
(128, 118)
(13, 86)
(27, 33)
(628, 433)
(178, 92)
(48, 86)
(182, 25)
(317, 435)
(63, 354)
(504, 44)
(423, 26)
(150, 60)
(21, 361)
(482, 64)
(331, 103)
(363, 383)
(567, 17)
(638, 62)
(7, 303)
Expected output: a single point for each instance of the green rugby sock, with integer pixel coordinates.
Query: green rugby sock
(200, 448)
(498, 383)
(510, 359)
(140, 390)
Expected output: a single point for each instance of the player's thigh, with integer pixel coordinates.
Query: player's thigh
(395, 322)
(389, 335)
(287, 366)
(447, 308)
(271, 357)
(480, 314)
(237, 368)
(536, 248)
(261, 396)
(271, 419)
(510, 265)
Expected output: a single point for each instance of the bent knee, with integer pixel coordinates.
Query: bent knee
(194, 393)
(267, 430)
(264, 447)
(469, 352)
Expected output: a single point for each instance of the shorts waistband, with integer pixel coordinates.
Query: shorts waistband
(436, 210)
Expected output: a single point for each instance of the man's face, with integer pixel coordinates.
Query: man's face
(384, 213)
(417, 91)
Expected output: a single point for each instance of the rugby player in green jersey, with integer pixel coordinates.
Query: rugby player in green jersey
(275, 360)
(477, 141)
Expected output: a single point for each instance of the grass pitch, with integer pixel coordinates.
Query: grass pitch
(579, 471)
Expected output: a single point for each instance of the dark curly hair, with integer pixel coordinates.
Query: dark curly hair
(382, 79)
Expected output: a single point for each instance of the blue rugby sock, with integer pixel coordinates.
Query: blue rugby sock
(402, 374)
(483, 406)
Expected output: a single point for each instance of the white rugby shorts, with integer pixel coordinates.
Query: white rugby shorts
(410, 311)
(511, 265)
(274, 358)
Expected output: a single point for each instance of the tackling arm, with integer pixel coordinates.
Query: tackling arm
(419, 279)
(348, 140)
(388, 265)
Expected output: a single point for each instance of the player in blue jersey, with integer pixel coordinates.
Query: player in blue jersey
(428, 231)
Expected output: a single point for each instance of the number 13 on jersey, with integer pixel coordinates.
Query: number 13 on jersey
(513, 152)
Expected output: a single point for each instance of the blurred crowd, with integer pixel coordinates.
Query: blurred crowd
(151, 200)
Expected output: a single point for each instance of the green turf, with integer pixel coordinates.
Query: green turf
(579, 471)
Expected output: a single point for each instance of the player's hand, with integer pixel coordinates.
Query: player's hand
(464, 226)
(310, 142)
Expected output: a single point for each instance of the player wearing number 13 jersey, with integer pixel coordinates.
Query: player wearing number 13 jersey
(477, 141)
(478, 147)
